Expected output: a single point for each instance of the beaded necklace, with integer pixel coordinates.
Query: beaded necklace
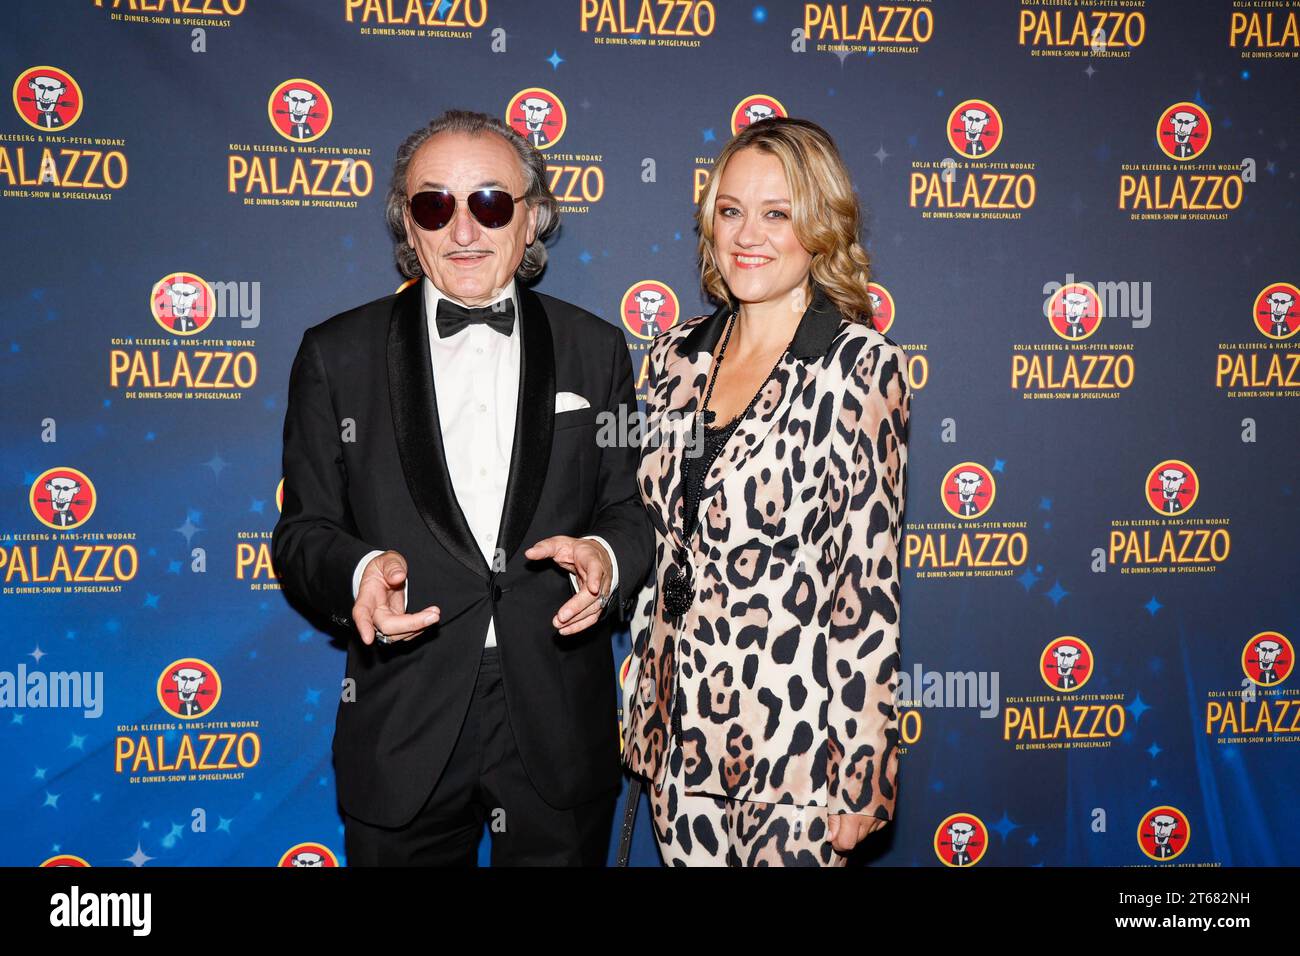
(679, 585)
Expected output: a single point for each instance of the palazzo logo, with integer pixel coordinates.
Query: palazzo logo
(972, 187)
(1188, 187)
(1068, 719)
(187, 364)
(67, 559)
(188, 745)
(883, 313)
(1271, 368)
(973, 545)
(577, 179)
(44, 161)
(297, 169)
(1176, 541)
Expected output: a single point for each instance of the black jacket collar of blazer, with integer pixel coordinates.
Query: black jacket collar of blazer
(419, 430)
(812, 339)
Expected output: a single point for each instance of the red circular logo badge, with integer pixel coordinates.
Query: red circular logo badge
(882, 307)
(189, 688)
(1066, 664)
(62, 498)
(1183, 131)
(538, 116)
(974, 129)
(1268, 658)
(649, 307)
(968, 490)
(182, 303)
(961, 840)
(1276, 312)
(755, 107)
(309, 855)
(1172, 487)
(300, 110)
(1074, 311)
(47, 98)
(1163, 833)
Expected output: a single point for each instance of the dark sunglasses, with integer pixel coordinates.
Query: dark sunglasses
(433, 209)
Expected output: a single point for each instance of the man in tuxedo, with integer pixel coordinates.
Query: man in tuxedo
(440, 446)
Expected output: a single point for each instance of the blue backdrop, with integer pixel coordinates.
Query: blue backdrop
(1098, 300)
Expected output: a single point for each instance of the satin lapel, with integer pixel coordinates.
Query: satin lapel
(418, 431)
(530, 456)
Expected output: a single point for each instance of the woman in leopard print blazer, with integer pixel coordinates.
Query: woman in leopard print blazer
(760, 706)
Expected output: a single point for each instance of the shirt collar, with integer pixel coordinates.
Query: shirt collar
(812, 339)
(433, 295)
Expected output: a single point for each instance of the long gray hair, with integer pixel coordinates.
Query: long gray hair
(537, 192)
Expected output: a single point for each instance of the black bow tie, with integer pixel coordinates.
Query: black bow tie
(453, 317)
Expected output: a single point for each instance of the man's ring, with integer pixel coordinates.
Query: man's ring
(604, 600)
(381, 637)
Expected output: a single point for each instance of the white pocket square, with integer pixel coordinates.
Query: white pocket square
(569, 401)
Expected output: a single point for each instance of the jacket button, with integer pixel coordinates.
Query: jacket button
(496, 592)
(647, 692)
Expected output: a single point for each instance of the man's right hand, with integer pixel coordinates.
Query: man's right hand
(380, 602)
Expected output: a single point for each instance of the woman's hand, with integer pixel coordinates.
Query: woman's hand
(847, 830)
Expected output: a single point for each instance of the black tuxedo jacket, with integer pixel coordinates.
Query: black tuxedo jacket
(389, 489)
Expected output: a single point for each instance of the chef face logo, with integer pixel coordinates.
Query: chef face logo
(300, 110)
(882, 307)
(1277, 310)
(1183, 131)
(62, 498)
(65, 859)
(189, 688)
(47, 98)
(1268, 658)
(1066, 664)
(1074, 311)
(974, 129)
(182, 303)
(1172, 487)
(961, 840)
(1164, 833)
(968, 490)
(538, 116)
(309, 855)
(648, 307)
(755, 107)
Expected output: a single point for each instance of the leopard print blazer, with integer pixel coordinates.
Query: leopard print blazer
(784, 669)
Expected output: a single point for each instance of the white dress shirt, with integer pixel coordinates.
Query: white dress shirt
(476, 384)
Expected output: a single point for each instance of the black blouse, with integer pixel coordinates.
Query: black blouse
(696, 467)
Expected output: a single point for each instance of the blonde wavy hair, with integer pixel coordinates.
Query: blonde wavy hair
(824, 211)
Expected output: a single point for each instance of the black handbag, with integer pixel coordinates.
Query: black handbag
(629, 821)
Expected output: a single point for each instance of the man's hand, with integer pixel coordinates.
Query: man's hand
(380, 602)
(848, 829)
(589, 562)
